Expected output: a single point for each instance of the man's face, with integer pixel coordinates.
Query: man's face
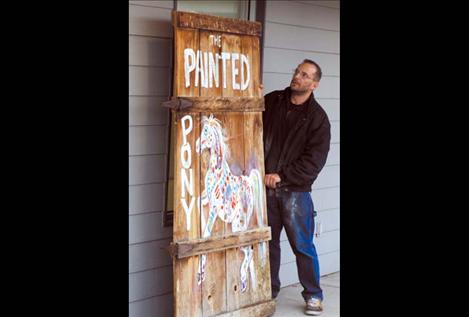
(302, 80)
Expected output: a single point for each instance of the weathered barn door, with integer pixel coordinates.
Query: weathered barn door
(220, 237)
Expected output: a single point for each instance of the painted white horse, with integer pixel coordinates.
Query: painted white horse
(230, 197)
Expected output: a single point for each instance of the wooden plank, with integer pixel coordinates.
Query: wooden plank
(207, 45)
(232, 44)
(250, 48)
(186, 228)
(234, 126)
(213, 244)
(214, 285)
(257, 310)
(254, 160)
(214, 23)
(184, 38)
(218, 104)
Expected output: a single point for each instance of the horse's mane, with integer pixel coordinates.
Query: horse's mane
(220, 135)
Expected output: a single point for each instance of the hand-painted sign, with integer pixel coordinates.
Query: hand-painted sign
(219, 197)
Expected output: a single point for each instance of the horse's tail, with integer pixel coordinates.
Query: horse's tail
(258, 190)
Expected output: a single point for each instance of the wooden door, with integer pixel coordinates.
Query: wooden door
(220, 236)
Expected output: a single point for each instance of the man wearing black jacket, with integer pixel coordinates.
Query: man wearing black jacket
(296, 144)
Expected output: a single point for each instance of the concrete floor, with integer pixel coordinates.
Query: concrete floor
(291, 304)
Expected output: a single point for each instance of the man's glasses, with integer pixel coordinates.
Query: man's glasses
(303, 75)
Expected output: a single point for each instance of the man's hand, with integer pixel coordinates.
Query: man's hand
(271, 180)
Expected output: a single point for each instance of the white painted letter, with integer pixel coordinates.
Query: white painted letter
(186, 130)
(186, 148)
(199, 68)
(234, 70)
(213, 70)
(187, 183)
(245, 64)
(188, 67)
(224, 57)
(188, 211)
(205, 76)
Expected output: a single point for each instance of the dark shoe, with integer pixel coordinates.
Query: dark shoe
(313, 307)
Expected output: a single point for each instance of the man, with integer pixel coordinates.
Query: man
(296, 144)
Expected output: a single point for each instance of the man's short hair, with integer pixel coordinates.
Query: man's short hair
(318, 74)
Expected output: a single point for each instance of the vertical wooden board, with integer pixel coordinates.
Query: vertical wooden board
(254, 160)
(234, 127)
(208, 44)
(250, 48)
(185, 270)
(232, 44)
(184, 38)
(214, 285)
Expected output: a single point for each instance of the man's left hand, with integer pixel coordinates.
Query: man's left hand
(271, 180)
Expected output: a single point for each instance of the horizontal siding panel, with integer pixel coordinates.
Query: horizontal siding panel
(332, 108)
(284, 61)
(327, 242)
(147, 169)
(328, 87)
(328, 177)
(326, 198)
(326, 3)
(146, 140)
(335, 131)
(149, 255)
(288, 274)
(147, 110)
(150, 21)
(149, 51)
(168, 4)
(329, 219)
(287, 255)
(144, 81)
(152, 307)
(302, 14)
(146, 198)
(299, 38)
(150, 283)
(147, 227)
(329, 263)
(333, 157)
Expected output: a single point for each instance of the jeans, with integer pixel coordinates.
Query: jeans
(294, 211)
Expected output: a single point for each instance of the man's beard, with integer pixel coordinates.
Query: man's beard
(298, 91)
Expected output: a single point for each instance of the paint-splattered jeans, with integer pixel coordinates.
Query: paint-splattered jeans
(294, 211)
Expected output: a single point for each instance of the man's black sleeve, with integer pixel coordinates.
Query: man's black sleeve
(305, 169)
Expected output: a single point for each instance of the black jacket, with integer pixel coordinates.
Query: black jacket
(306, 146)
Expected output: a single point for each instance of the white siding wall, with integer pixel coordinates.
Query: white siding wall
(295, 30)
(150, 268)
